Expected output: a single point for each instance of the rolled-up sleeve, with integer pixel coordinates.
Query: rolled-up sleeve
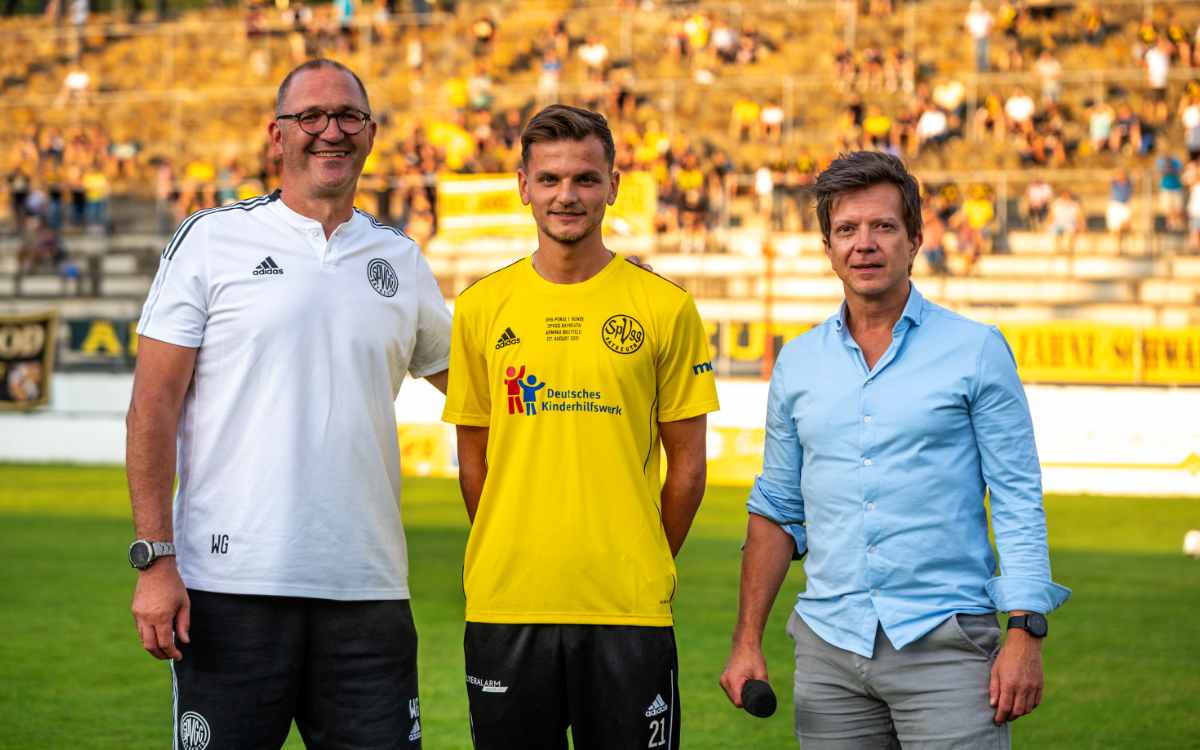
(1009, 462)
(776, 492)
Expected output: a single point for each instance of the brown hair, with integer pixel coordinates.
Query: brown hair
(561, 122)
(858, 170)
(316, 64)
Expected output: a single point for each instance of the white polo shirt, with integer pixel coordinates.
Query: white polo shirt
(289, 468)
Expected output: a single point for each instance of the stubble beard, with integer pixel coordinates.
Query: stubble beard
(307, 164)
(573, 238)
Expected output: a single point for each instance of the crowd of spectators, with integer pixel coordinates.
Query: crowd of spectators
(60, 180)
(757, 166)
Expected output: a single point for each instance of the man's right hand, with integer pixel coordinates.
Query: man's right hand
(161, 609)
(746, 662)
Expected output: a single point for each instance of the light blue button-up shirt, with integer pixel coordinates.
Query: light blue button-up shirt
(880, 475)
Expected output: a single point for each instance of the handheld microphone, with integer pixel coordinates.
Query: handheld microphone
(758, 698)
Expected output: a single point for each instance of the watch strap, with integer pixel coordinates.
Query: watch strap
(1026, 623)
(161, 549)
(155, 550)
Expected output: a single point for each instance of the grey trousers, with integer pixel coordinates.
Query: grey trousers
(932, 695)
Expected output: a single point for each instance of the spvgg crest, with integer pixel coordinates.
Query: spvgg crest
(623, 334)
(382, 277)
(194, 733)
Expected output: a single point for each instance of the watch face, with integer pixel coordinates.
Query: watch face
(1036, 624)
(139, 554)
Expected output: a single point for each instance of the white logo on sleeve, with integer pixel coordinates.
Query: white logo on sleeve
(415, 734)
(659, 706)
(194, 733)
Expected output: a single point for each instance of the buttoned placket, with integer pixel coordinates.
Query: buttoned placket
(326, 250)
(868, 443)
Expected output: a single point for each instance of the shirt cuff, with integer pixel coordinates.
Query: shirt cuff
(1011, 593)
(466, 419)
(760, 504)
(800, 536)
(178, 338)
(432, 369)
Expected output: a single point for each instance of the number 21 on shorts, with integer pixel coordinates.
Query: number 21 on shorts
(658, 732)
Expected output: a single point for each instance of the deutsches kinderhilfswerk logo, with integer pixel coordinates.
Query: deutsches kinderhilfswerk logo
(194, 733)
(623, 334)
(383, 277)
(523, 396)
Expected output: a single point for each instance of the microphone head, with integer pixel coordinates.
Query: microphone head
(758, 698)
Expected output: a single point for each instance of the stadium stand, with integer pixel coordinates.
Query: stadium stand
(1057, 151)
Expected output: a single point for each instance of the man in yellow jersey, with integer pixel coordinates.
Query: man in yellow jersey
(568, 371)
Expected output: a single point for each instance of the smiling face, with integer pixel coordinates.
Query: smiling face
(327, 165)
(568, 184)
(868, 245)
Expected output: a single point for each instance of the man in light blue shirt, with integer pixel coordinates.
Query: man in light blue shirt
(886, 425)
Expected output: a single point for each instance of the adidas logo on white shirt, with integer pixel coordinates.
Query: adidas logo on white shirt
(508, 338)
(657, 707)
(268, 267)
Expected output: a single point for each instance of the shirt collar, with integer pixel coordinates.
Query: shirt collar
(914, 311)
(298, 220)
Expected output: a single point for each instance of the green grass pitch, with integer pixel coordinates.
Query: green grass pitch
(1122, 660)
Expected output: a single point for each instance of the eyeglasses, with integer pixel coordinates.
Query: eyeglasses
(314, 121)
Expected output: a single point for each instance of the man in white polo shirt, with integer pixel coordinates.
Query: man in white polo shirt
(273, 344)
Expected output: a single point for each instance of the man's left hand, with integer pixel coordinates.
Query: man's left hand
(1016, 686)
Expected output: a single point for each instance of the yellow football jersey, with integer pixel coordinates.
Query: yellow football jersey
(572, 381)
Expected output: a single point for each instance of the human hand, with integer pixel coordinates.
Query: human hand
(637, 261)
(746, 662)
(161, 609)
(1017, 680)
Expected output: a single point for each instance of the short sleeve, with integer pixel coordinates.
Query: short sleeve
(686, 383)
(176, 310)
(468, 398)
(431, 354)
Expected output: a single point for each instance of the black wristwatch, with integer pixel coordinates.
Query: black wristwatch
(143, 552)
(1032, 623)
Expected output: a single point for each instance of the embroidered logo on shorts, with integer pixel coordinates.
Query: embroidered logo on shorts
(382, 277)
(194, 733)
(659, 706)
(415, 734)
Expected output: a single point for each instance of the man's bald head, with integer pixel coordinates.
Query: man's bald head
(316, 64)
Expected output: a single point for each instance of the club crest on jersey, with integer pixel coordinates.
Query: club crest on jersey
(382, 277)
(194, 733)
(623, 334)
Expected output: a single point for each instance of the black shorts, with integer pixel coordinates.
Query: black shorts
(345, 671)
(615, 686)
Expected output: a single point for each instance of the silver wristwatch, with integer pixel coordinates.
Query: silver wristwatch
(143, 552)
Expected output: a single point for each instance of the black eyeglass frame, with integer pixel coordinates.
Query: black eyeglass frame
(328, 114)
